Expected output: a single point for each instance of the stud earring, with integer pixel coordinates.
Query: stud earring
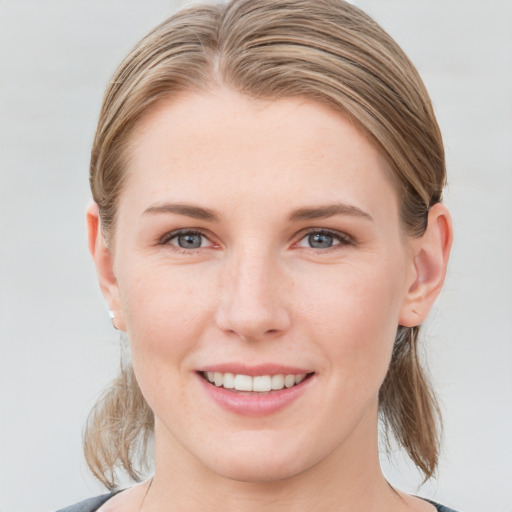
(112, 316)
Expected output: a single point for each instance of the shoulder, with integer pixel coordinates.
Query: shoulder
(90, 504)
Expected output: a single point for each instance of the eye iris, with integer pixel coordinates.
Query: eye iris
(189, 241)
(320, 240)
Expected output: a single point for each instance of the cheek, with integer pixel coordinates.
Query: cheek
(165, 316)
(166, 311)
(354, 318)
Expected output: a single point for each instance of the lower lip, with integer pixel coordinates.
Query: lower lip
(255, 404)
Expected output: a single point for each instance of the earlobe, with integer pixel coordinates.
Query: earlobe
(431, 254)
(102, 257)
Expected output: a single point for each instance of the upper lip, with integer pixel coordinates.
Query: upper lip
(254, 370)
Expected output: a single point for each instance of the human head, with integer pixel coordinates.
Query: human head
(327, 51)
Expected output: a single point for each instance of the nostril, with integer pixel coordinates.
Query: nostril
(256, 337)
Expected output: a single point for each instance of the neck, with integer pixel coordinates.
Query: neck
(348, 479)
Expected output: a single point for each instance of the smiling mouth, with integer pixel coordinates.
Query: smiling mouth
(258, 383)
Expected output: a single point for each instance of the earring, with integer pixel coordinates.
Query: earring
(112, 316)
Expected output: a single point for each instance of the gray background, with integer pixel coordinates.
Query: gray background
(57, 347)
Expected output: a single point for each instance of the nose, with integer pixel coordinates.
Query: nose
(253, 298)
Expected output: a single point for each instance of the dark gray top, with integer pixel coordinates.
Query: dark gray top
(90, 504)
(93, 504)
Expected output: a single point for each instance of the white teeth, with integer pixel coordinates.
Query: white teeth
(299, 378)
(229, 381)
(218, 378)
(277, 382)
(243, 383)
(259, 383)
(289, 381)
(262, 383)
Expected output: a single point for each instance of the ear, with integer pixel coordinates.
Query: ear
(430, 259)
(104, 266)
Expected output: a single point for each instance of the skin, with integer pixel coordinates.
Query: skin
(257, 292)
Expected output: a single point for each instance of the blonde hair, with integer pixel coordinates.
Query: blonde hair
(325, 50)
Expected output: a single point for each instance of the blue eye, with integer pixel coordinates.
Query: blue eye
(188, 240)
(321, 239)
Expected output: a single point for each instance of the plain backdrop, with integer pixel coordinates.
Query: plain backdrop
(58, 350)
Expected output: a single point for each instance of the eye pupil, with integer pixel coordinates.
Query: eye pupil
(189, 241)
(320, 240)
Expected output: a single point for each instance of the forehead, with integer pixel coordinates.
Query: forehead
(218, 143)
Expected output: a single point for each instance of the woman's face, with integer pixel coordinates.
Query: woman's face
(258, 245)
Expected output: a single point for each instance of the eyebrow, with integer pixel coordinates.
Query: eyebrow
(329, 210)
(189, 210)
(300, 214)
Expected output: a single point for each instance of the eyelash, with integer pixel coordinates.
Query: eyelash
(342, 238)
(166, 239)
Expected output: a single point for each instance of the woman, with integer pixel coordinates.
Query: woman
(268, 231)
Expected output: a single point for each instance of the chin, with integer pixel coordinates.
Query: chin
(249, 471)
(259, 464)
